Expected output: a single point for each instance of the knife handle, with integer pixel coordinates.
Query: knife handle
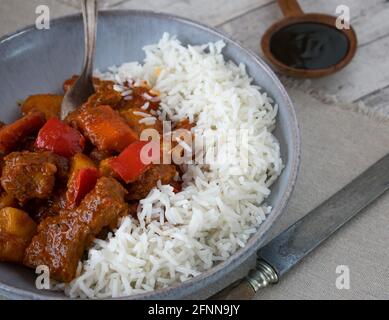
(244, 289)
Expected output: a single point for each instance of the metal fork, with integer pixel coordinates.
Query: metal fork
(83, 87)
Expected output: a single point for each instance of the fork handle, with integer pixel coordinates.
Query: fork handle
(89, 12)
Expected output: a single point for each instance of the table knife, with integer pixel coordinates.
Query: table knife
(292, 245)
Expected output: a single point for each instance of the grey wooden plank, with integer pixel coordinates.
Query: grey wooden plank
(364, 75)
(15, 14)
(368, 19)
(212, 12)
(370, 22)
(377, 100)
(103, 4)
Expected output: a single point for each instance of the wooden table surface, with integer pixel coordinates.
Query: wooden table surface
(365, 80)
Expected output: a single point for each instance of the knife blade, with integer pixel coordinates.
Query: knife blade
(292, 245)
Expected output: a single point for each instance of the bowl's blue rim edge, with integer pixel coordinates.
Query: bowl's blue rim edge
(215, 273)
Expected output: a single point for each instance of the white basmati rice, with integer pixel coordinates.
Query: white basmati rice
(142, 114)
(126, 93)
(145, 106)
(148, 120)
(179, 235)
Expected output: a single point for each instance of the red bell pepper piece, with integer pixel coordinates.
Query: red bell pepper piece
(83, 183)
(60, 138)
(129, 165)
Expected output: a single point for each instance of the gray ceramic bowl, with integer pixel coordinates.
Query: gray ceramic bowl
(33, 61)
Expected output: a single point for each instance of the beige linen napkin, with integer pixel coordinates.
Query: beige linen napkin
(337, 145)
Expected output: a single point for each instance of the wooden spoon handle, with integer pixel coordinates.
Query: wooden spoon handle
(290, 8)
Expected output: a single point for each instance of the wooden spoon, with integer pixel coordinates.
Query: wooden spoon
(83, 87)
(294, 15)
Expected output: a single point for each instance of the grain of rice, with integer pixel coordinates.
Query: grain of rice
(145, 106)
(183, 144)
(142, 114)
(148, 120)
(126, 93)
(151, 98)
(118, 88)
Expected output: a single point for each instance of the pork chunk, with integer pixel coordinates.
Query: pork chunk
(27, 175)
(104, 95)
(134, 117)
(40, 209)
(140, 189)
(104, 127)
(62, 240)
(103, 206)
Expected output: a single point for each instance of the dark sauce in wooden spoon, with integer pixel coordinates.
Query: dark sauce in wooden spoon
(309, 45)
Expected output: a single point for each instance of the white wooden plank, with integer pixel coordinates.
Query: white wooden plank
(369, 19)
(377, 100)
(212, 12)
(364, 75)
(369, 70)
(369, 22)
(103, 4)
(372, 24)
